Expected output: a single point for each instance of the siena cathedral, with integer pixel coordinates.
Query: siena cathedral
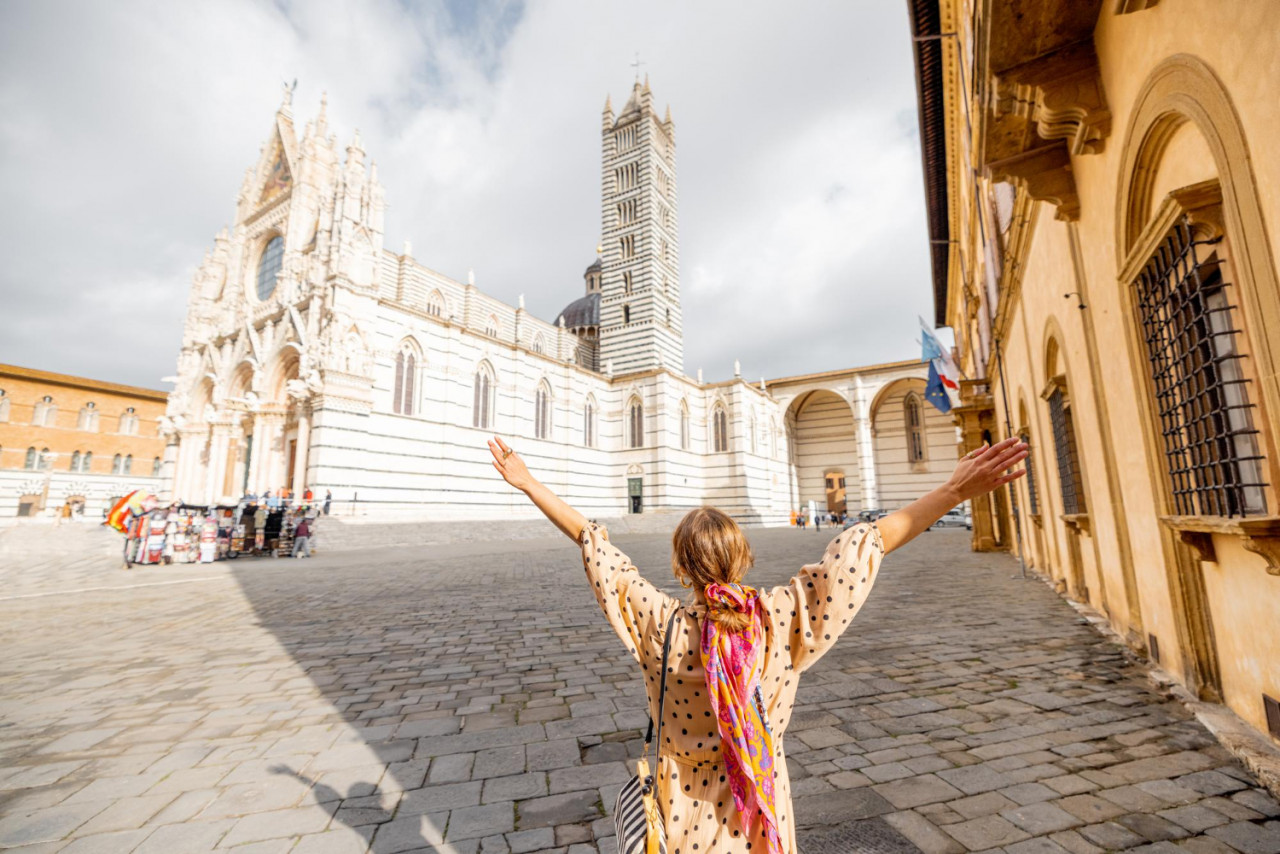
(313, 357)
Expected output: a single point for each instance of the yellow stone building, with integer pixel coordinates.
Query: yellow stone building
(65, 438)
(1103, 203)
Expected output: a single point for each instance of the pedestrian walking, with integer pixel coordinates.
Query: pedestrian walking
(64, 513)
(328, 499)
(721, 780)
(817, 521)
(302, 538)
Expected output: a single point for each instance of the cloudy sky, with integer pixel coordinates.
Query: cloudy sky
(126, 127)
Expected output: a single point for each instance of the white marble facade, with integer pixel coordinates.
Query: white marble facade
(314, 357)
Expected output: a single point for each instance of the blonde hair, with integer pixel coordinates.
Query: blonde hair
(709, 548)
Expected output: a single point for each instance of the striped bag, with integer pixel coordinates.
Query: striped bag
(636, 815)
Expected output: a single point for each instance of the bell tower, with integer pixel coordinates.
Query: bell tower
(640, 319)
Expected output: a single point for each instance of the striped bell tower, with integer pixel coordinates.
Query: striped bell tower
(640, 320)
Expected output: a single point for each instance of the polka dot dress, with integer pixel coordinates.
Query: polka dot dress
(806, 617)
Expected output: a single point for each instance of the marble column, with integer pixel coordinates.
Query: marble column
(866, 443)
(300, 455)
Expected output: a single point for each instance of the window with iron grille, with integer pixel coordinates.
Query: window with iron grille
(1200, 391)
(1033, 500)
(1064, 440)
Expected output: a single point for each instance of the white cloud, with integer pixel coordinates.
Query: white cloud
(125, 129)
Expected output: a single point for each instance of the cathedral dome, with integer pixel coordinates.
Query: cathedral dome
(582, 312)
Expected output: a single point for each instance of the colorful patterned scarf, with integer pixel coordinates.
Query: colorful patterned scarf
(732, 662)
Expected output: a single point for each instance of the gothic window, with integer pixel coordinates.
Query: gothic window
(751, 431)
(666, 286)
(719, 429)
(635, 420)
(117, 463)
(1198, 381)
(45, 413)
(129, 422)
(155, 467)
(542, 411)
(626, 314)
(627, 245)
(684, 425)
(668, 317)
(539, 344)
(1064, 440)
(30, 463)
(269, 266)
(128, 464)
(482, 405)
(75, 461)
(46, 459)
(4, 406)
(913, 418)
(404, 392)
(626, 282)
(435, 304)
(88, 418)
(589, 423)
(86, 462)
(491, 327)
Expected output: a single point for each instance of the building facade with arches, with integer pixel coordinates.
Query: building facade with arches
(315, 357)
(1103, 223)
(67, 439)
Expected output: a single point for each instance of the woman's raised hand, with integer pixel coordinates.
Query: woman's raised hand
(509, 465)
(981, 470)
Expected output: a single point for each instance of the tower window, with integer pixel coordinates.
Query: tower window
(626, 314)
(626, 282)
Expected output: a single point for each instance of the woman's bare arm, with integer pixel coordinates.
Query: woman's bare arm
(516, 473)
(977, 473)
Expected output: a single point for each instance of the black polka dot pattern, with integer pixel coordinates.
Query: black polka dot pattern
(805, 619)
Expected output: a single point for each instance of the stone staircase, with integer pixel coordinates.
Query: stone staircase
(338, 534)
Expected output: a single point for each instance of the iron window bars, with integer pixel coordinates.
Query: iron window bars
(1034, 499)
(1064, 441)
(1200, 391)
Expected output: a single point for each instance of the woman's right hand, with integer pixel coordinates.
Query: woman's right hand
(981, 470)
(509, 465)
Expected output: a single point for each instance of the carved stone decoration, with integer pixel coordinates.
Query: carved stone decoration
(1061, 93)
(1045, 175)
(1268, 548)
(1202, 543)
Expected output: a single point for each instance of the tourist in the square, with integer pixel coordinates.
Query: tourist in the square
(328, 498)
(302, 538)
(722, 782)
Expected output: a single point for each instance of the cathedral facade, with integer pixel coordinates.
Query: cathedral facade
(314, 357)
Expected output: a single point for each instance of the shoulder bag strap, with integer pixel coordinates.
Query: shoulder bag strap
(662, 687)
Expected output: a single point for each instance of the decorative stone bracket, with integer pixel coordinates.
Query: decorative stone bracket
(1045, 175)
(1258, 534)
(1079, 522)
(1061, 94)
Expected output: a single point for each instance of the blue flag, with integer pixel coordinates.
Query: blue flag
(935, 392)
(930, 349)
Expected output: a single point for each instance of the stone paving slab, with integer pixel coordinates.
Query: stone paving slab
(470, 698)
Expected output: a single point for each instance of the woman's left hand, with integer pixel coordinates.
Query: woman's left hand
(509, 465)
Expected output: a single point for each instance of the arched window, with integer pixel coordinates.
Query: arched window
(46, 459)
(45, 413)
(626, 314)
(719, 429)
(492, 327)
(538, 344)
(155, 467)
(913, 418)
(542, 411)
(129, 422)
(589, 422)
(635, 419)
(1064, 442)
(75, 461)
(403, 393)
(88, 419)
(684, 426)
(482, 403)
(269, 266)
(86, 462)
(128, 464)
(4, 406)
(30, 464)
(435, 304)
(117, 464)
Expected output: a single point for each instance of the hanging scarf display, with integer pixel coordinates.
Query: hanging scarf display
(732, 663)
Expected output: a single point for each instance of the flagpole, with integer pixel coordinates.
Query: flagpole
(1013, 493)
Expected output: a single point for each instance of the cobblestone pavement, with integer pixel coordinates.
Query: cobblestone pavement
(388, 700)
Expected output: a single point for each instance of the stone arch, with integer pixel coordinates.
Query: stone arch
(406, 384)
(484, 396)
(543, 409)
(823, 440)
